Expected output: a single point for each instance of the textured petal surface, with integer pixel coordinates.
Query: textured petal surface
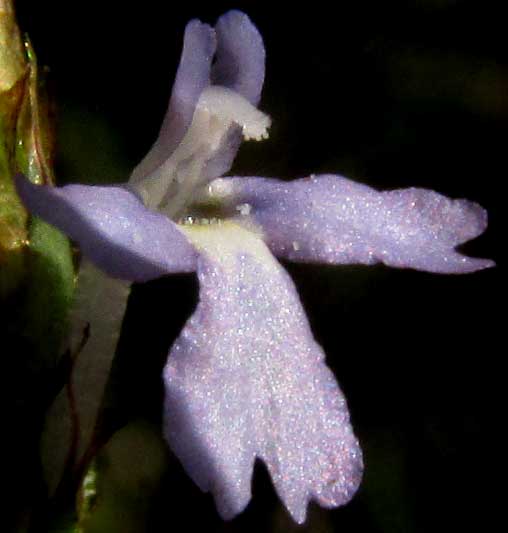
(240, 64)
(192, 77)
(246, 379)
(113, 228)
(331, 219)
(198, 143)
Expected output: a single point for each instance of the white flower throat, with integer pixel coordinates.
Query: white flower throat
(170, 189)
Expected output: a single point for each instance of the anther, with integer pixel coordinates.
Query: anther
(231, 107)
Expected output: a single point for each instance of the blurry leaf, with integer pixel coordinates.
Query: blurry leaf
(98, 308)
(12, 58)
(50, 276)
(50, 288)
(118, 487)
(27, 145)
(13, 239)
(34, 128)
(12, 213)
(34, 257)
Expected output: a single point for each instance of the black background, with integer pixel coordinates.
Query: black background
(393, 94)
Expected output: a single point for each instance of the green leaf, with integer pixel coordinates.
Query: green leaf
(50, 287)
(118, 488)
(12, 213)
(28, 147)
(12, 60)
(36, 264)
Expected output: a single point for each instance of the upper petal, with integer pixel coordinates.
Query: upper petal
(211, 107)
(240, 61)
(192, 77)
(240, 66)
(113, 228)
(246, 379)
(332, 219)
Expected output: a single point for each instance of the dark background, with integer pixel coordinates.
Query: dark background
(393, 94)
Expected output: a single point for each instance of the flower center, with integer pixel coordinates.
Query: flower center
(170, 189)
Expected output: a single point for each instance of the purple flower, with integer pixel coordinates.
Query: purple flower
(246, 379)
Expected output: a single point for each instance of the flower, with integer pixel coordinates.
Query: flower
(246, 379)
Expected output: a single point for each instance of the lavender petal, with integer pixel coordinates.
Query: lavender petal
(240, 64)
(192, 77)
(246, 379)
(331, 219)
(113, 228)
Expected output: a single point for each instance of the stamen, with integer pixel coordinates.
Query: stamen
(231, 107)
(190, 220)
(171, 186)
(187, 220)
(244, 209)
(219, 189)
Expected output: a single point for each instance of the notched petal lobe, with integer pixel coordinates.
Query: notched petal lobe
(246, 379)
(331, 219)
